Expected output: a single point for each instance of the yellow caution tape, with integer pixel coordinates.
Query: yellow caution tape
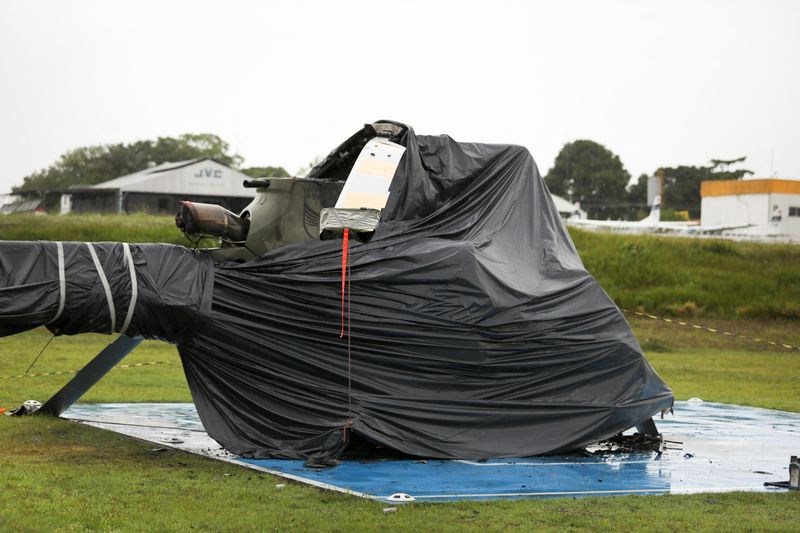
(712, 330)
(41, 374)
(637, 313)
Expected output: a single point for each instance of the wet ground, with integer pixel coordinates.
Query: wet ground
(711, 448)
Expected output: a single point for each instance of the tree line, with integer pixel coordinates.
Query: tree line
(584, 171)
(587, 172)
(89, 165)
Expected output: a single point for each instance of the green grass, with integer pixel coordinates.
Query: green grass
(158, 383)
(139, 227)
(666, 275)
(695, 277)
(59, 476)
(714, 367)
(73, 477)
(694, 363)
(732, 376)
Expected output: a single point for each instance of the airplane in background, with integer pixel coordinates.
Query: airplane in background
(652, 223)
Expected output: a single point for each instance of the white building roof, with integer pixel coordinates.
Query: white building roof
(565, 207)
(202, 176)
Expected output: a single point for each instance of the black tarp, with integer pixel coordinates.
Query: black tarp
(475, 329)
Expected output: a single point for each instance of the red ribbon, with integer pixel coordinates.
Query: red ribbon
(345, 245)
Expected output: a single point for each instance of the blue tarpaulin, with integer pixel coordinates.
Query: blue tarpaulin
(713, 448)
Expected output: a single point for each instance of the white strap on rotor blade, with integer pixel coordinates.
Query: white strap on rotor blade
(104, 281)
(134, 287)
(62, 283)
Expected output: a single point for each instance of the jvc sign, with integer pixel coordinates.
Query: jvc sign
(209, 173)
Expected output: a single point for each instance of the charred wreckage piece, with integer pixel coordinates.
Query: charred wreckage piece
(473, 328)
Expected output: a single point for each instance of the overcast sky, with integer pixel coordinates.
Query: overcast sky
(659, 83)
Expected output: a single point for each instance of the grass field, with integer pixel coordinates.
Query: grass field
(694, 363)
(665, 275)
(84, 479)
(139, 227)
(58, 476)
(687, 277)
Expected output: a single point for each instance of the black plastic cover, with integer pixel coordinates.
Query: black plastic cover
(475, 330)
(174, 287)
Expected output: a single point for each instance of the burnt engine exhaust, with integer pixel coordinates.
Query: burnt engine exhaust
(210, 220)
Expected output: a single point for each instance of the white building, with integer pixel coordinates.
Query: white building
(158, 189)
(566, 208)
(771, 207)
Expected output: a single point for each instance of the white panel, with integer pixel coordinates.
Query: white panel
(207, 178)
(369, 180)
(788, 225)
(66, 204)
(653, 189)
(735, 209)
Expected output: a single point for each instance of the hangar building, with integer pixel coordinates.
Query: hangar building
(566, 208)
(158, 189)
(770, 206)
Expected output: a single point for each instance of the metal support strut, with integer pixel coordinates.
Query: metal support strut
(89, 375)
(648, 427)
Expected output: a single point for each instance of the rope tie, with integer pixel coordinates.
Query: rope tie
(346, 295)
(134, 287)
(104, 281)
(128, 261)
(345, 246)
(349, 354)
(62, 283)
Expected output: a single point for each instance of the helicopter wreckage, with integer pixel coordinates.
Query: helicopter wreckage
(410, 292)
